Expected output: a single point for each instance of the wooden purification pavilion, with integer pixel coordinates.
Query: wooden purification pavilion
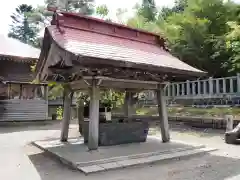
(85, 53)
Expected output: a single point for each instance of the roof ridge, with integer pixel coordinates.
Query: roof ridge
(67, 19)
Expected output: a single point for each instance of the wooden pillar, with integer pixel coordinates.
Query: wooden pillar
(199, 87)
(128, 104)
(231, 85)
(21, 92)
(169, 90)
(162, 110)
(204, 87)
(183, 89)
(224, 85)
(210, 83)
(217, 86)
(188, 88)
(229, 122)
(80, 115)
(46, 93)
(238, 82)
(178, 90)
(46, 98)
(94, 116)
(67, 100)
(193, 88)
(173, 90)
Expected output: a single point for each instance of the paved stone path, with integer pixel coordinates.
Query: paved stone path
(21, 161)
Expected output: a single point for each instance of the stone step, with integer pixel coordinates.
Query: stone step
(154, 158)
(136, 156)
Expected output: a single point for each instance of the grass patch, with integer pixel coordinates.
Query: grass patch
(192, 111)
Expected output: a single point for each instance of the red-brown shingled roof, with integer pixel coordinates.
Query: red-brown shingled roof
(90, 37)
(86, 43)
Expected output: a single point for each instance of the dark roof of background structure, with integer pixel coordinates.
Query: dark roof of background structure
(84, 41)
(13, 48)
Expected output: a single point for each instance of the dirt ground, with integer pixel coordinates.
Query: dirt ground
(21, 161)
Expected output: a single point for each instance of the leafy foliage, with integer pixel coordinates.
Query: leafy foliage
(233, 45)
(148, 10)
(196, 31)
(102, 10)
(22, 28)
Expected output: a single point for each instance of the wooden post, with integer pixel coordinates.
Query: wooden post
(94, 116)
(183, 89)
(193, 88)
(178, 89)
(204, 87)
(188, 88)
(67, 100)
(162, 110)
(46, 99)
(173, 89)
(80, 115)
(21, 92)
(169, 89)
(238, 82)
(126, 104)
(217, 86)
(224, 85)
(210, 82)
(229, 122)
(231, 85)
(9, 91)
(46, 93)
(199, 87)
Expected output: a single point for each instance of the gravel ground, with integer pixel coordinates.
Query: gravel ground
(22, 161)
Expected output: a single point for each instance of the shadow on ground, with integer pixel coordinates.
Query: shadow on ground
(207, 167)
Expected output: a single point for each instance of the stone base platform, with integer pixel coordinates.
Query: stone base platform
(76, 154)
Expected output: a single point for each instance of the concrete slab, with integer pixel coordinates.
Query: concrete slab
(75, 153)
(143, 161)
(91, 169)
(111, 165)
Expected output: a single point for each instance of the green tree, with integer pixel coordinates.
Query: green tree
(77, 6)
(196, 31)
(148, 10)
(43, 17)
(179, 6)
(197, 34)
(102, 10)
(233, 45)
(22, 28)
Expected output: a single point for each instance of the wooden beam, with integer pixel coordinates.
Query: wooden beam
(162, 110)
(94, 116)
(126, 80)
(114, 83)
(66, 112)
